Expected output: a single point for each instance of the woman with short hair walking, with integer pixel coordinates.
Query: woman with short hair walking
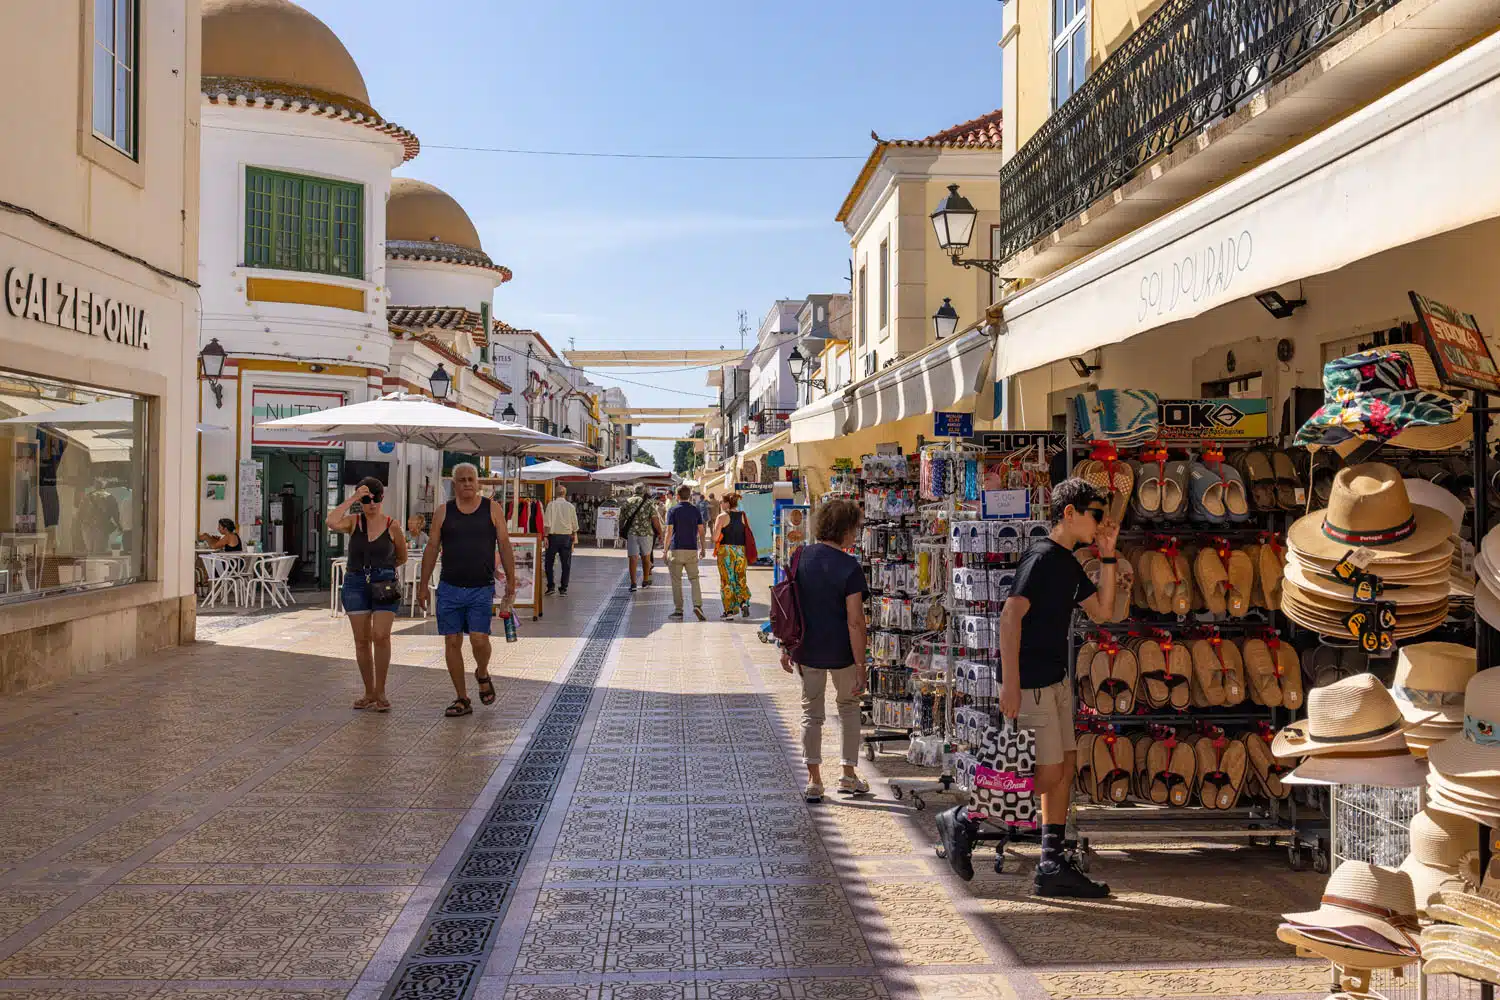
(831, 590)
(371, 594)
(732, 538)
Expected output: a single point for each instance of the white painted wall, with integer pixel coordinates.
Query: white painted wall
(432, 283)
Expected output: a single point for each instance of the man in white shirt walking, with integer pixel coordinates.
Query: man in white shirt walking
(562, 534)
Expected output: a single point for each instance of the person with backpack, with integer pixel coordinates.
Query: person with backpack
(640, 525)
(818, 613)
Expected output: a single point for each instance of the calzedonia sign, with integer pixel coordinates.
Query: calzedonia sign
(35, 296)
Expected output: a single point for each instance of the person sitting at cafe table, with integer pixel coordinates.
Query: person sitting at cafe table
(228, 538)
(416, 535)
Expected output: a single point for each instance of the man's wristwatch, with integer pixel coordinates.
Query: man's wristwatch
(1108, 560)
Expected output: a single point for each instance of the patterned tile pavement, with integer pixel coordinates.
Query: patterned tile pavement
(215, 824)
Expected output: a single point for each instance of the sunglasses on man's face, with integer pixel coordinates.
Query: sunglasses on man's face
(1097, 513)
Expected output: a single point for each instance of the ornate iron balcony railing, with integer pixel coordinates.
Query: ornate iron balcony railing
(1190, 64)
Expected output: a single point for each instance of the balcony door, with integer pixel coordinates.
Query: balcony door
(1070, 48)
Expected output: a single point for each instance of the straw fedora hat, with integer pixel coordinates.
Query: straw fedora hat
(1390, 769)
(1460, 961)
(1430, 438)
(1431, 677)
(1487, 604)
(1353, 715)
(1422, 565)
(1424, 493)
(1359, 894)
(1369, 508)
(1339, 949)
(1474, 753)
(1400, 593)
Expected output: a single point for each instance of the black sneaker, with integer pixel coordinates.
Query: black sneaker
(550, 592)
(632, 588)
(675, 616)
(564, 592)
(1063, 879)
(745, 611)
(957, 833)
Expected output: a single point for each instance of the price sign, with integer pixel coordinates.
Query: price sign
(1005, 505)
(948, 424)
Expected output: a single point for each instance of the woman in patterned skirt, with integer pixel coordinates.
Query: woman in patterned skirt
(731, 538)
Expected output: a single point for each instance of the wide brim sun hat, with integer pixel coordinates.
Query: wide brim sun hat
(1369, 508)
(1424, 493)
(1353, 715)
(1397, 769)
(1474, 753)
(1402, 593)
(1344, 955)
(1359, 894)
(1432, 677)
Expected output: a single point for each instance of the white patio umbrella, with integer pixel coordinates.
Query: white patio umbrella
(548, 471)
(99, 414)
(633, 472)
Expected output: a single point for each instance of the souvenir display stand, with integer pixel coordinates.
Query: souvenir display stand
(1179, 692)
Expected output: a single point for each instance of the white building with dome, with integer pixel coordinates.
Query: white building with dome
(295, 177)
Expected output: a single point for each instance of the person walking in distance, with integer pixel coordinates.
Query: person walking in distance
(372, 597)
(561, 518)
(640, 526)
(1034, 691)
(831, 590)
(686, 534)
(467, 532)
(733, 543)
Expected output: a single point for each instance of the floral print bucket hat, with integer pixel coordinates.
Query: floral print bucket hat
(1377, 396)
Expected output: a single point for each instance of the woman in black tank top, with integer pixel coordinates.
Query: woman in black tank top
(731, 540)
(377, 550)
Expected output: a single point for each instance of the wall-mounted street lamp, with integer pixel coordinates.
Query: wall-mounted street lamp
(953, 221)
(440, 382)
(798, 365)
(212, 357)
(567, 431)
(945, 320)
(509, 413)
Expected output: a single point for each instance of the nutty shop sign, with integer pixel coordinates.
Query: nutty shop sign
(35, 296)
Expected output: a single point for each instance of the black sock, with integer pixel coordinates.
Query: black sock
(1052, 843)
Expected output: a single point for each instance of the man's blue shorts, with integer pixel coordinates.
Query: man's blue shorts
(464, 609)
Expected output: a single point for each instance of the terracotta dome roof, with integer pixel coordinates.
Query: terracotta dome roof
(277, 42)
(418, 212)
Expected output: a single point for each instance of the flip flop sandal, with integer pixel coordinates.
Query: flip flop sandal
(1124, 584)
(1121, 485)
(381, 706)
(460, 706)
(1241, 572)
(1270, 565)
(1234, 671)
(1213, 581)
(1208, 672)
(1125, 676)
(1084, 780)
(1153, 664)
(1158, 761)
(1081, 676)
(1260, 671)
(1116, 786)
(1099, 675)
(1320, 487)
(1288, 675)
(1326, 668)
(1208, 495)
(1182, 772)
(1256, 467)
(1268, 768)
(1233, 761)
(1289, 492)
(1140, 787)
(486, 689)
(1186, 598)
(1179, 677)
(1153, 571)
(1089, 563)
(362, 704)
(1213, 781)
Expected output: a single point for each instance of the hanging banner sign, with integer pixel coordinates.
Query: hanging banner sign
(1214, 419)
(948, 424)
(1457, 346)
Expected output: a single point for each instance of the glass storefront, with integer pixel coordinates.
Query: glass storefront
(73, 466)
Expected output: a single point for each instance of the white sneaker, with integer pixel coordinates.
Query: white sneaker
(813, 792)
(853, 786)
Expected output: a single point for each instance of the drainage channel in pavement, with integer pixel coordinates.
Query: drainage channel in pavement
(449, 953)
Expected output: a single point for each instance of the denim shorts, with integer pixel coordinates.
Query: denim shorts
(464, 609)
(640, 546)
(356, 591)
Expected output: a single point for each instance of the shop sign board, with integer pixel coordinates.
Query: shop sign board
(1457, 346)
(1005, 505)
(607, 524)
(35, 296)
(1016, 440)
(251, 480)
(948, 424)
(1223, 419)
(274, 404)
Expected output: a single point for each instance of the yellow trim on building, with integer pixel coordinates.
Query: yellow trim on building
(306, 293)
(306, 367)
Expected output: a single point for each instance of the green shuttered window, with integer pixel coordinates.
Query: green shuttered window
(298, 223)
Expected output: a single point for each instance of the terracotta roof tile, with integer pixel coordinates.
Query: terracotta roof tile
(304, 100)
(400, 331)
(439, 318)
(983, 131)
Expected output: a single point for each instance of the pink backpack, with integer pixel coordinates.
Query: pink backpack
(786, 610)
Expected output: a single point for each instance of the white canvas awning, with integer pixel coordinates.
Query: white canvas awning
(1416, 163)
(933, 380)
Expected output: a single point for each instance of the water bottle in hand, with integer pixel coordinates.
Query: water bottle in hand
(509, 618)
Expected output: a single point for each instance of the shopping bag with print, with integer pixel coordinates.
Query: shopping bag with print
(1005, 777)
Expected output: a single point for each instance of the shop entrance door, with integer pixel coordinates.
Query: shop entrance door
(301, 485)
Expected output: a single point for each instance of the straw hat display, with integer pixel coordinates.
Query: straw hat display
(1467, 941)
(1441, 845)
(1429, 690)
(1387, 395)
(1367, 919)
(1409, 548)
(1464, 775)
(1353, 716)
(1487, 582)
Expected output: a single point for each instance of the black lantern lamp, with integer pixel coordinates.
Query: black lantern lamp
(212, 357)
(440, 382)
(509, 413)
(953, 222)
(945, 320)
(798, 365)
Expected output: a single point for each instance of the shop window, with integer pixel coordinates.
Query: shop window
(885, 283)
(864, 305)
(1070, 48)
(116, 50)
(298, 223)
(1250, 386)
(73, 504)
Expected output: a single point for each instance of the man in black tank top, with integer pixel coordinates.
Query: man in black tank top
(467, 532)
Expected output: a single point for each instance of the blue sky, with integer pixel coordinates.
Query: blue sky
(617, 253)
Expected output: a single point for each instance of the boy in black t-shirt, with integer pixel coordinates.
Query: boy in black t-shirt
(1034, 689)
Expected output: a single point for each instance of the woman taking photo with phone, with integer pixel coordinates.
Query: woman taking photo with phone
(372, 596)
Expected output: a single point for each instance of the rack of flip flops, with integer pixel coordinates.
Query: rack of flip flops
(1184, 683)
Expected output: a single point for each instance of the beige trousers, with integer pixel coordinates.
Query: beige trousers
(680, 561)
(814, 711)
